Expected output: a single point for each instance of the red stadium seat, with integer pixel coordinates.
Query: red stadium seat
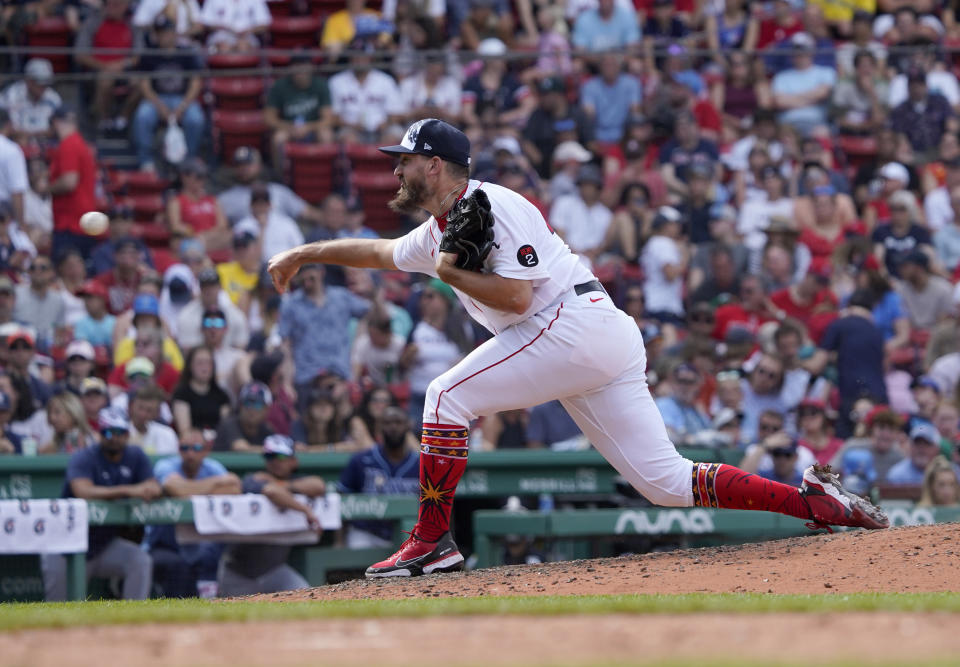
(376, 189)
(311, 169)
(163, 259)
(136, 183)
(233, 129)
(233, 61)
(857, 150)
(366, 158)
(52, 31)
(294, 32)
(147, 208)
(237, 93)
(280, 8)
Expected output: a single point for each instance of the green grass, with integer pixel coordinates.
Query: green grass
(68, 614)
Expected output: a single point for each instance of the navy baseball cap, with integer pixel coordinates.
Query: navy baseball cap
(433, 138)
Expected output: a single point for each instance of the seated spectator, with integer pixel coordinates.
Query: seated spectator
(319, 427)
(97, 326)
(940, 484)
(553, 119)
(762, 392)
(680, 155)
(432, 93)
(146, 314)
(815, 431)
(107, 471)
(946, 239)
(103, 257)
(233, 366)
(681, 414)
(247, 172)
(375, 357)
(726, 26)
(611, 26)
(926, 396)
(927, 298)
(924, 447)
(298, 108)
(749, 313)
(79, 365)
(71, 275)
(882, 441)
(193, 213)
(31, 101)
(246, 429)
(550, 426)
(355, 19)
(106, 28)
(923, 67)
(486, 21)
(802, 91)
(366, 424)
(188, 570)
(924, 116)
(40, 302)
(94, 397)
(170, 93)
(610, 98)
(149, 362)
(199, 402)
(810, 297)
(276, 231)
(184, 13)
(68, 421)
(494, 94)
(260, 568)
(10, 442)
(33, 391)
(945, 370)
(859, 100)
(861, 39)
(240, 277)
(581, 219)
(211, 297)
(777, 457)
(275, 370)
(946, 417)
(505, 430)
(856, 343)
(389, 466)
(759, 212)
(664, 260)
(903, 235)
(123, 280)
(235, 25)
(146, 431)
(365, 101)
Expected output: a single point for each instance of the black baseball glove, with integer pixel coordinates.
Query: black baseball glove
(469, 231)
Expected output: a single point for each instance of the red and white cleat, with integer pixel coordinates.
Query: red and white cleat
(416, 557)
(831, 505)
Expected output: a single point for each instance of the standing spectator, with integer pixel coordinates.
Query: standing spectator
(97, 326)
(107, 28)
(857, 344)
(199, 402)
(146, 431)
(235, 25)
(924, 116)
(685, 150)
(32, 100)
(14, 183)
(211, 297)
(261, 568)
(609, 98)
(276, 231)
(73, 173)
(186, 570)
(611, 26)
(107, 471)
(681, 414)
(312, 325)
(902, 235)
(664, 260)
(298, 108)
(247, 172)
(927, 298)
(924, 447)
(387, 467)
(581, 219)
(170, 93)
(40, 303)
(365, 100)
(246, 429)
(194, 213)
(800, 93)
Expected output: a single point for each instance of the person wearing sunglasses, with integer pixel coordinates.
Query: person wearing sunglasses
(188, 570)
(246, 569)
(233, 367)
(681, 414)
(108, 471)
(40, 303)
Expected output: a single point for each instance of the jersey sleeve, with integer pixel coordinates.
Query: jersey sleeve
(414, 251)
(522, 237)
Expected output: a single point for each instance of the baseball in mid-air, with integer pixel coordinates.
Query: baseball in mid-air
(94, 223)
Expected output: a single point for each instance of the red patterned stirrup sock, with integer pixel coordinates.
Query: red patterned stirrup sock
(443, 458)
(722, 485)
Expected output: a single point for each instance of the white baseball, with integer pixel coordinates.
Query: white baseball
(94, 223)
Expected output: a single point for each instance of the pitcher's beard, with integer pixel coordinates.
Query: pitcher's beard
(409, 199)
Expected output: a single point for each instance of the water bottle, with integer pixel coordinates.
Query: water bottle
(28, 446)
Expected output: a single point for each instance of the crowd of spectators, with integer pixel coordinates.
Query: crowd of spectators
(772, 191)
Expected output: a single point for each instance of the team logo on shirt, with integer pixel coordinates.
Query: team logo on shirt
(527, 256)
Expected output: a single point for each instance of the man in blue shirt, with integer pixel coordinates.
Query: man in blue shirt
(551, 426)
(313, 323)
(186, 570)
(390, 468)
(681, 415)
(801, 93)
(610, 26)
(107, 471)
(609, 98)
(924, 447)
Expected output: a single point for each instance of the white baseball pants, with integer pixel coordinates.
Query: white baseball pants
(589, 355)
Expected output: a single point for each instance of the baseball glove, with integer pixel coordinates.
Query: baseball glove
(469, 231)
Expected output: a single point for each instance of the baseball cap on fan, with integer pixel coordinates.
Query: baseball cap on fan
(433, 138)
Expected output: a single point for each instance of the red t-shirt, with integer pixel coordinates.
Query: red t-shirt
(821, 246)
(199, 215)
(73, 155)
(772, 32)
(166, 377)
(120, 294)
(707, 116)
(824, 455)
(733, 314)
(112, 35)
(783, 300)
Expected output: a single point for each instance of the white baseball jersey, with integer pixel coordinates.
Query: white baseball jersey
(526, 249)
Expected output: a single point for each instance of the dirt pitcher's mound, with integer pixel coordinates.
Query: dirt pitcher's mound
(899, 560)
